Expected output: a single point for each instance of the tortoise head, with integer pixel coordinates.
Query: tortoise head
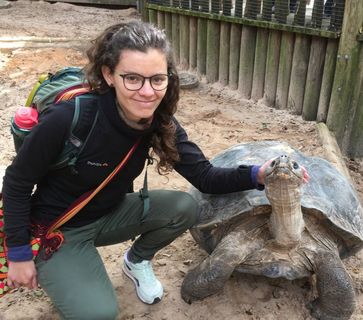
(284, 170)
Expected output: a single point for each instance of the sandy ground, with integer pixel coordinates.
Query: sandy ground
(215, 117)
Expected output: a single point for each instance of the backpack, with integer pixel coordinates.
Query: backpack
(65, 84)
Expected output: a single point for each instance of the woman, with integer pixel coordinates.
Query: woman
(134, 79)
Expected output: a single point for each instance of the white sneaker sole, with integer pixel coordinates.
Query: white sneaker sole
(136, 283)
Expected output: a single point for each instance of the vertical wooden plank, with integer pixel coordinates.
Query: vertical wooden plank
(259, 64)
(284, 73)
(354, 145)
(313, 79)
(153, 17)
(213, 39)
(202, 46)
(168, 25)
(340, 107)
(281, 10)
(184, 41)
(193, 27)
(161, 20)
(327, 81)
(143, 10)
(300, 63)
(317, 15)
(224, 53)
(272, 67)
(246, 62)
(235, 46)
(176, 37)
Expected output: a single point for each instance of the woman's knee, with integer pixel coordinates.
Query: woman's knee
(186, 208)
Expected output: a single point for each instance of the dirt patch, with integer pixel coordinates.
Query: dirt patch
(214, 117)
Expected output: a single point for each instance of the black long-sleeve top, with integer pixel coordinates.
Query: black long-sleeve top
(109, 142)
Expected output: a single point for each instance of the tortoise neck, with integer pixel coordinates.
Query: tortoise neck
(286, 221)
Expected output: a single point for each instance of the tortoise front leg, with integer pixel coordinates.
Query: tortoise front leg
(210, 276)
(336, 299)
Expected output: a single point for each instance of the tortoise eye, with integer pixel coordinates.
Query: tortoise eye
(273, 163)
(295, 165)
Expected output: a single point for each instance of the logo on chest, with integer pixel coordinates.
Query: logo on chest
(97, 164)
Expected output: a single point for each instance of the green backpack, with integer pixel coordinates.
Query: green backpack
(65, 84)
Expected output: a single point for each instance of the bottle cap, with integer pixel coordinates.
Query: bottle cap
(26, 117)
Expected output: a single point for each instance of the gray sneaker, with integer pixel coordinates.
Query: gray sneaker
(148, 288)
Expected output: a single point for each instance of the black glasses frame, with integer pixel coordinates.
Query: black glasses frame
(144, 79)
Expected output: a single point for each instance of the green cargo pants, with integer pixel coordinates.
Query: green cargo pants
(75, 277)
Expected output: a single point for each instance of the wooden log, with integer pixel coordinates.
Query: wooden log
(246, 62)
(234, 52)
(299, 18)
(176, 37)
(327, 81)
(168, 26)
(184, 42)
(267, 10)
(281, 10)
(284, 73)
(341, 109)
(272, 67)
(193, 27)
(300, 63)
(259, 64)
(313, 79)
(224, 53)
(317, 15)
(213, 38)
(161, 20)
(331, 150)
(153, 17)
(202, 46)
(354, 145)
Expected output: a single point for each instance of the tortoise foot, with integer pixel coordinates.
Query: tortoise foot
(317, 312)
(206, 279)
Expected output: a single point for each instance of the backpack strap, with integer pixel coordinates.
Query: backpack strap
(84, 120)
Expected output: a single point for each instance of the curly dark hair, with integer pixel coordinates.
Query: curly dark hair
(140, 36)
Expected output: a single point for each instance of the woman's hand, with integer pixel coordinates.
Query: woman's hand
(22, 274)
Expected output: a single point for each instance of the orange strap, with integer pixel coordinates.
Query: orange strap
(77, 205)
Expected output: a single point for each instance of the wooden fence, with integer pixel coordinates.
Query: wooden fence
(307, 62)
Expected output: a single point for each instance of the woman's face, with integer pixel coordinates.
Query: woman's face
(141, 103)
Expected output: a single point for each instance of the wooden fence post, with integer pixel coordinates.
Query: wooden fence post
(246, 62)
(300, 63)
(202, 46)
(341, 108)
(313, 79)
(272, 67)
(184, 41)
(212, 51)
(176, 37)
(193, 36)
(235, 46)
(283, 79)
(224, 53)
(259, 64)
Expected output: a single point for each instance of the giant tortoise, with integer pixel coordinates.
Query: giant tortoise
(291, 230)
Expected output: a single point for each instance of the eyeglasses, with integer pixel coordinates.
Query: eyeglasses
(134, 81)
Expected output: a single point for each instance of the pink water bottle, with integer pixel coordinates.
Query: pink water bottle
(23, 121)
